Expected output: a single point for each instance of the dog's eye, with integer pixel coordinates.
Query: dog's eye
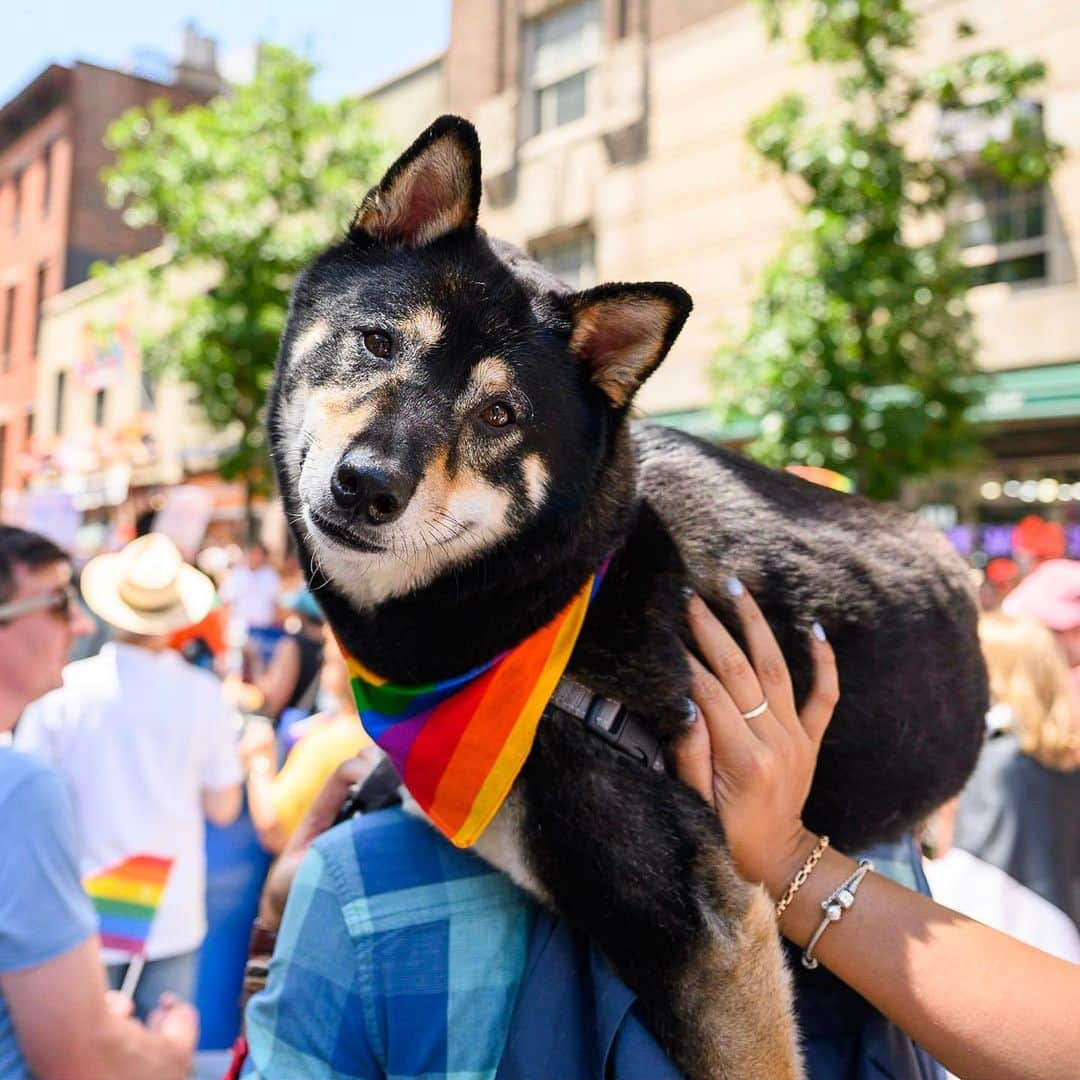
(497, 414)
(378, 344)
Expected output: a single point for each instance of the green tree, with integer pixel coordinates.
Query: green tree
(251, 185)
(860, 354)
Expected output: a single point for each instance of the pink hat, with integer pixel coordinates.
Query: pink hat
(1050, 593)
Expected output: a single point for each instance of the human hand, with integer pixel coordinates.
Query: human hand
(314, 823)
(176, 1021)
(755, 772)
(119, 1004)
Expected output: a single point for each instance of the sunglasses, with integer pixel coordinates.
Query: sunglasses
(64, 602)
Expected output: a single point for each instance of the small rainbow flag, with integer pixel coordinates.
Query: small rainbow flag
(459, 744)
(126, 898)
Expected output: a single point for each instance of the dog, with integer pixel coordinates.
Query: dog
(450, 427)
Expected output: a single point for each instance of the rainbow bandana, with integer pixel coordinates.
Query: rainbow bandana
(459, 744)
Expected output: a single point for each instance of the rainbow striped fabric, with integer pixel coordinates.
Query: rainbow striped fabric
(126, 898)
(459, 744)
(817, 474)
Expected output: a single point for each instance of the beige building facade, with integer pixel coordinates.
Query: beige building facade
(107, 425)
(613, 136)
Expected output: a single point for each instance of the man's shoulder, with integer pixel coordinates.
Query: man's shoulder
(33, 794)
(396, 868)
(24, 776)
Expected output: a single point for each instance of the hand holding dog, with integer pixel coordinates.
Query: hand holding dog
(923, 966)
(755, 772)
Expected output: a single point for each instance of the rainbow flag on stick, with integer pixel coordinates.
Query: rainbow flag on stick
(126, 898)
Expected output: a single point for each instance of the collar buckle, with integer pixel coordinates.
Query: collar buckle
(611, 722)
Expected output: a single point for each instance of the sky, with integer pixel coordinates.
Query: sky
(355, 44)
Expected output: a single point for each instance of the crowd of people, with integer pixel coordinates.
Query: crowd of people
(208, 701)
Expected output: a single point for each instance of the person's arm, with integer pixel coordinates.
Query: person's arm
(258, 751)
(222, 806)
(980, 1002)
(278, 681)
(67, 995)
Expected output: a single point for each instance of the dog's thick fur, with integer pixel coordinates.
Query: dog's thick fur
(449, 426)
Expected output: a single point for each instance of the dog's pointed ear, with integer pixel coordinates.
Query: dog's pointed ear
(622, 332)
(431, 190)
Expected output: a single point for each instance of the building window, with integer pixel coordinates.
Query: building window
(16, 213)
(1003, 230)
(42, 282)
(149, 390)
(61, 395)
(9, 329)
(570, 258)
(47, 181)
(561, 50)
(99, 408)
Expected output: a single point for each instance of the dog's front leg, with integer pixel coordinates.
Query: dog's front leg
(695, 942)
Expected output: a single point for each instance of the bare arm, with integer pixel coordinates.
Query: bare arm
(980, 1002)
(278, 681)
(258, 751)
(67, 1031)
(222, 805)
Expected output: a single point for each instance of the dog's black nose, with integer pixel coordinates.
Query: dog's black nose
(378, 495)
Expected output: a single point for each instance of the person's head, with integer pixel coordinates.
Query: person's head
(256, 555)
(1029, 675)
(303, 606)
(1051, 594)
(40, 618)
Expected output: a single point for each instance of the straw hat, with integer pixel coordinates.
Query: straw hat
(147, 588)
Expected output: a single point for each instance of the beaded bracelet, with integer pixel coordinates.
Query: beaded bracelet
(799, 880)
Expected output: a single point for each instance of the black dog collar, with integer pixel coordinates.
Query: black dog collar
(612, 722)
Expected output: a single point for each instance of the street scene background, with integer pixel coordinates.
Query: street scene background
(881, 248)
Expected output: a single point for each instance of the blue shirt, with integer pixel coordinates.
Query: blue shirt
(402, 957)
(44, 911)
(399, 955)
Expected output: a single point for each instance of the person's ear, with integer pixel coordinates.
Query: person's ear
(622, 332)
(431, 190)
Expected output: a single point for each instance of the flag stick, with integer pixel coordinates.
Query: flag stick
(131, 976)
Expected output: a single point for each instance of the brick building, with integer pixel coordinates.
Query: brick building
(613, 136)
(54, 222)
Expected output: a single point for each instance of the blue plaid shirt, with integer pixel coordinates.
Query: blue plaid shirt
(400, 957)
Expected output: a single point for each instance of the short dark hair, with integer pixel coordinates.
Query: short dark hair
(20, 547)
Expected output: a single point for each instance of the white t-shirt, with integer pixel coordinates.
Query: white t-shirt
(253, 595)
(980, 891)
(139, 736)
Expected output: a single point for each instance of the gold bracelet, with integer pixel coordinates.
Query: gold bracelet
(799, 880)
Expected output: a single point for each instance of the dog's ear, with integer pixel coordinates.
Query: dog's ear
(622, 332)
(431, 190)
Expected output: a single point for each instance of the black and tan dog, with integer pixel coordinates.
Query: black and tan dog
(449, 426)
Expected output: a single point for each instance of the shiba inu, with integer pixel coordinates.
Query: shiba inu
(450, 429)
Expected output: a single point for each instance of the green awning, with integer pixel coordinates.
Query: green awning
(1035, 393)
